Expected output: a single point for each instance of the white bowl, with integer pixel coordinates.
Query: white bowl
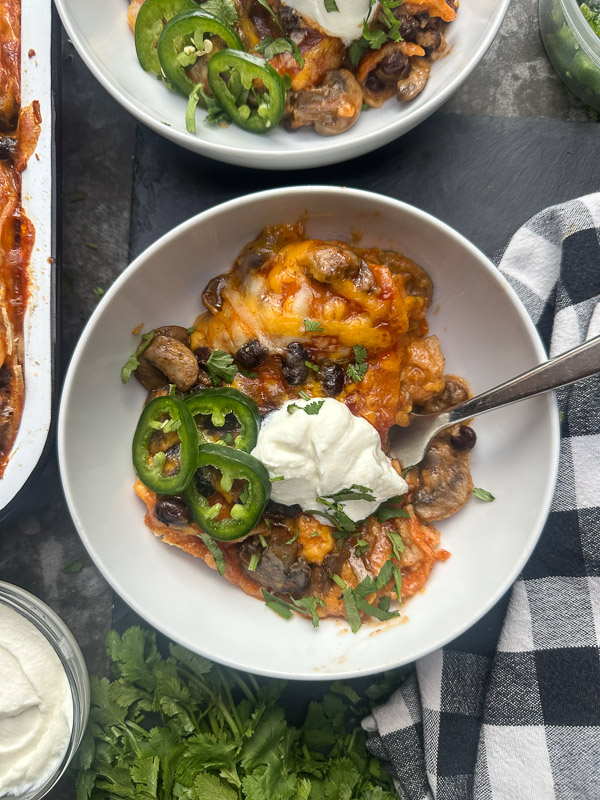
(103, 39)
(486, 336)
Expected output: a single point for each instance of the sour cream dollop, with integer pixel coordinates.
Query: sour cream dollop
(36, 707)
(346, 24)
(320, 454)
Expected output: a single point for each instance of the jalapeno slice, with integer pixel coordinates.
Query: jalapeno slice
(234, 465)
(149, 25)
(169, 416)
(241, 71)
(182, 42)
(218, 403)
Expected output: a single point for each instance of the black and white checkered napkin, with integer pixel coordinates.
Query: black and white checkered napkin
(525, 723)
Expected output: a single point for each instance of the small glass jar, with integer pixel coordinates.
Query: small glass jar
(573, 47)
(63, 642)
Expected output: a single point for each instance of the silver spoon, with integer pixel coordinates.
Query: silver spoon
(410, 444)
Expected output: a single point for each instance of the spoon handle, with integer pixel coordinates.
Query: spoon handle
(580, 362)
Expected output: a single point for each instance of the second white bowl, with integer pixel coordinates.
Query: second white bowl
(486, 337)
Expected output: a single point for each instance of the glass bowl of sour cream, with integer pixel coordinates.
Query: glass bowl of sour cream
(44, 695)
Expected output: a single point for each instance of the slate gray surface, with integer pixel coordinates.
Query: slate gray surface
(513, 120)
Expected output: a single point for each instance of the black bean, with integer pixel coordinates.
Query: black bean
(202, 355)
(251, 355)
(279, 511)
(172, 511)
(333, 378)
(203, 484)
(293, 364)
(465, 438)
(393, 63)
(374, 83)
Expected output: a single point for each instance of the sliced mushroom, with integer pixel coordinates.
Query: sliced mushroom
(379, 72)
(211, 296)
(328, 263)
(332, 108)
(430, 40)
(279, 567)
(411, 86)
(176, 331)
(454, 392)
(175, 360)
(149, 376)
(444, 482)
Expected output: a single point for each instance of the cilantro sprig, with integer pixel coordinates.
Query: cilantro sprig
(377, 37)
(310, 408)
(177, 727)
(220, 366)
(357, 371)
(133, 361)
(270, 47)
(313, 325)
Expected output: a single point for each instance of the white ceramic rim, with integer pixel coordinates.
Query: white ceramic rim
(332, 151)
(236, 205)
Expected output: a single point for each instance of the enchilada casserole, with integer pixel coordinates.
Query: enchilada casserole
(304, 63)
(303, 343)
(19, 128)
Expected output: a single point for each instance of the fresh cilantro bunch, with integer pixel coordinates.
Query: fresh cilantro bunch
(183, 728)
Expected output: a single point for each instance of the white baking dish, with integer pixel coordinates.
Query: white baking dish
(36, 84)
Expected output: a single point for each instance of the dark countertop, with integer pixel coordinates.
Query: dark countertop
(512, 141)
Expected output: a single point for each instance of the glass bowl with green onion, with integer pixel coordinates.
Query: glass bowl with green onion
(571, 34)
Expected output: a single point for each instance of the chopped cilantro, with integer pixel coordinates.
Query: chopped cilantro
(220, 366)
(330, 6)
(215, 551)
(397, 543)
(277, 605)
(303, 395)
(277, 478)
(294, 537)
(357, 371)
(361, 546)
(313, 325)
(312, 366)
(191, 330)
(253, 562)
(483, 494)
(273, 15)
(311, 409)
(76, 196)
(216, 113)
(391, 512)
(99, 292)
(133, 362)
(91, 245)
(270, 47)
(223, 9)
(305, 605)
(262, 540)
